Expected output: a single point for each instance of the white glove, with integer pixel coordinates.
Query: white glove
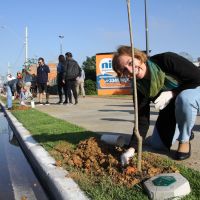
(125, 157)
(163, 100)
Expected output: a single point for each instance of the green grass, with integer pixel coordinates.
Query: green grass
(106, 190)
(193, 177)
(50, 132)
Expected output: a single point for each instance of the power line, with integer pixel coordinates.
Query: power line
(19, 55)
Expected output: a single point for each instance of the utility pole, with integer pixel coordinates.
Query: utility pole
(26, 45)
(61, 37)
(9, 70)
(146, 29)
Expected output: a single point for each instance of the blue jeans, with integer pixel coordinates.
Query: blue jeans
(9, 96)
(187, 106)
(22, 96)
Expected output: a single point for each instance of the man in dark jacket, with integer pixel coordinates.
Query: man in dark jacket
(42, 79)
(71, 71)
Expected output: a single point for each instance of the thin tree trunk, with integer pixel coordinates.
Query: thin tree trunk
(136, 131)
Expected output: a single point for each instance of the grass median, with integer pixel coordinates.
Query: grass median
(58, 136)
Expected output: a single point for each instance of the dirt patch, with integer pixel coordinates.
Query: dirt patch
(99, 158)
(21, 108)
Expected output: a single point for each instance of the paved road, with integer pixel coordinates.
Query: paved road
(113, 116)
(18, 180)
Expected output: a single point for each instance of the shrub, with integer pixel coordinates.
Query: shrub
(90, 87)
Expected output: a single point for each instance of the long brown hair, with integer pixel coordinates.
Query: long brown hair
(126, 50)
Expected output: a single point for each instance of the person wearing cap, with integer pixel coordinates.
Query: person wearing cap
(172, 83)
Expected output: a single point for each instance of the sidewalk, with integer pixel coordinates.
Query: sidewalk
(114, 116)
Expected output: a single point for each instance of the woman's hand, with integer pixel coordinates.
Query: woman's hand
(125, 157)
(163, 100)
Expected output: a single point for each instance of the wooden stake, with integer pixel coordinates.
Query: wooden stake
(136, 131)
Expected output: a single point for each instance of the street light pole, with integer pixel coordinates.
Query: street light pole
(146, 29)
(9, 68)
(26, 45)
(61, 37)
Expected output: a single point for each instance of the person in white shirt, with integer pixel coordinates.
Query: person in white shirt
(80, 83)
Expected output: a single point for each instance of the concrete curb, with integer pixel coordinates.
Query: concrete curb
(56, 179)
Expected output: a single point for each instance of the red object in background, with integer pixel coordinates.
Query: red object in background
(19, 75)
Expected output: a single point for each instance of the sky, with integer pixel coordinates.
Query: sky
(94, 26)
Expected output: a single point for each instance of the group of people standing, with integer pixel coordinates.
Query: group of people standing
(26, 85)
(69, 78)
(20, 87)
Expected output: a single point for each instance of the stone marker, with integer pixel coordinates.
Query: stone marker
(167, 186)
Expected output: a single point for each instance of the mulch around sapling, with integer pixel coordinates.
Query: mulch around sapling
(21, 107)
(94, 156)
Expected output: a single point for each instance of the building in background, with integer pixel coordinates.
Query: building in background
(52, 74)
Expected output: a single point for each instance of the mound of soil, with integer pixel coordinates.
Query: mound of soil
(21, 108)
(99, 158)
